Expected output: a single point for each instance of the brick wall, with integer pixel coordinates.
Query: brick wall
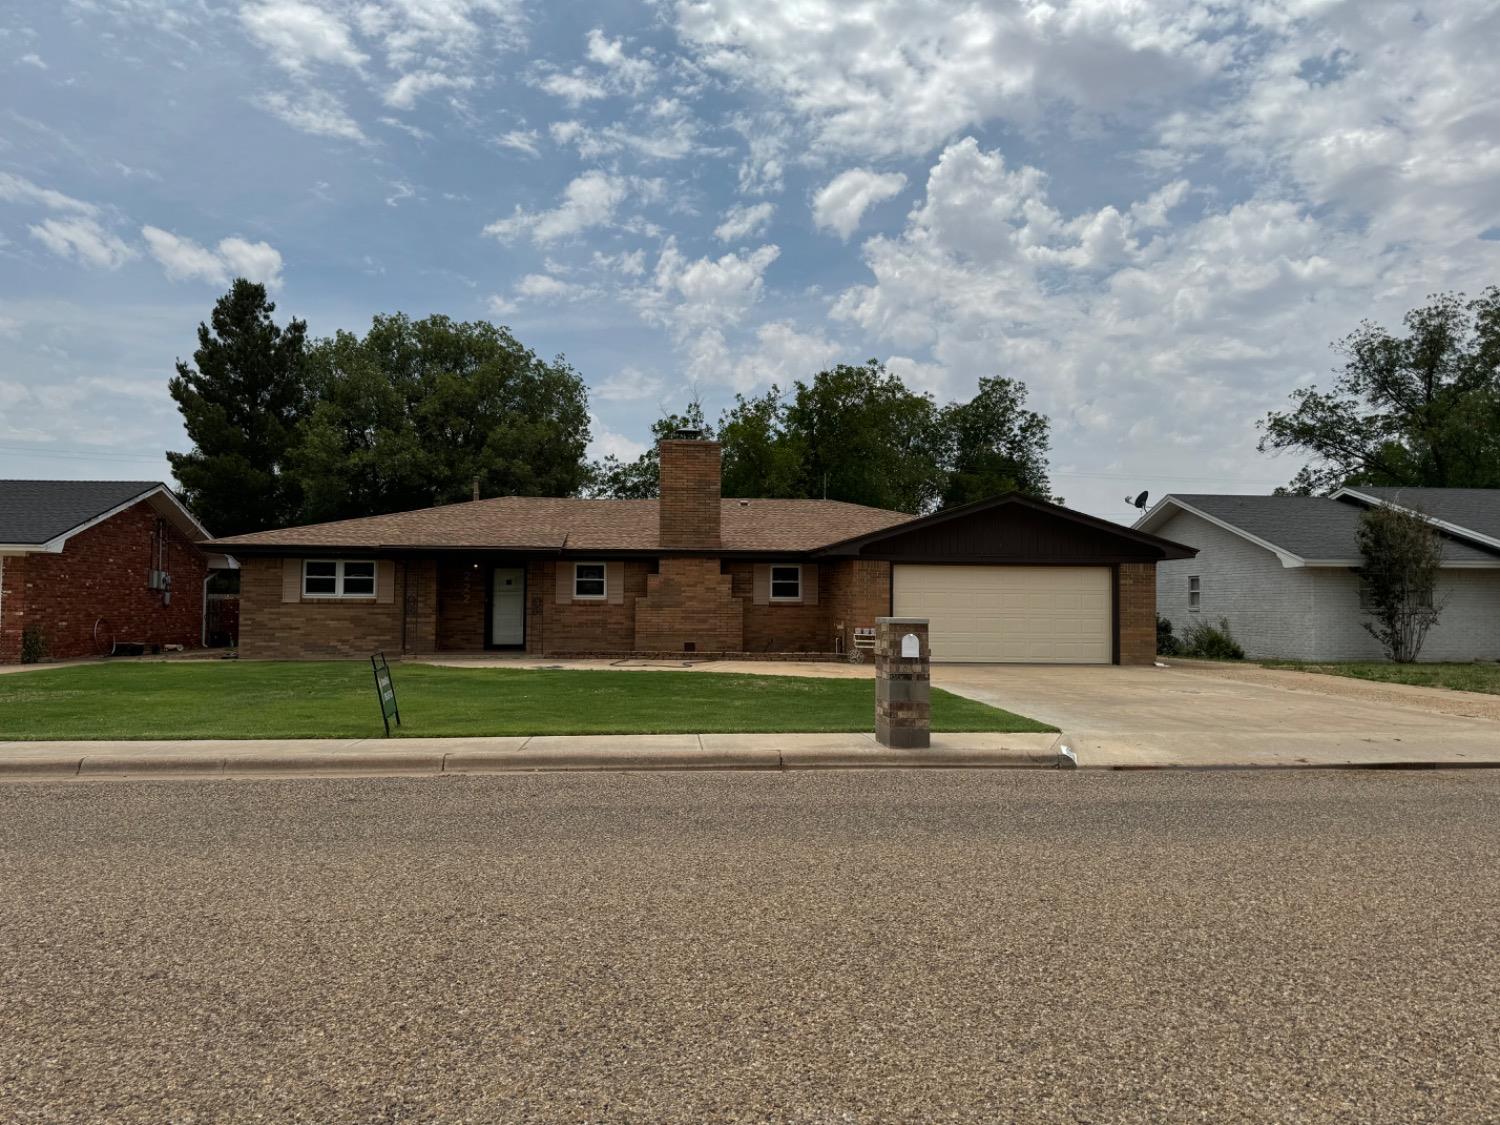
(12, 607)
(102, 572)
(462, 603)
(313, 628)
(555, 628)
(1137, 593)
(856, 592)
(689, 601)
(780, 626)
(689, 513)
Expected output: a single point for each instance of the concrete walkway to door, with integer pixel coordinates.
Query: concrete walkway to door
(1226, 715)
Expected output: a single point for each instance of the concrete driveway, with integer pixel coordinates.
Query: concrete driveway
(1210, 715)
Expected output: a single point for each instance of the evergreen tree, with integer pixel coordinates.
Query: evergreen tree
(240, 406)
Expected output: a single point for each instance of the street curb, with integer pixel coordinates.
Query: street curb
(115, 766)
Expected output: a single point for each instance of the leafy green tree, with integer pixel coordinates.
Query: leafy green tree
(1401, 553)
(1420, 410)
(240, 406)
(759, 457)
(858, 434)
(614, 479)
(416, 411)
(995, 445)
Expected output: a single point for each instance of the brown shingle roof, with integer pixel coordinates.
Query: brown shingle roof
(549, 524)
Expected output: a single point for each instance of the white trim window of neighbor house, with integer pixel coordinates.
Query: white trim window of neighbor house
(1195, 592)
(786, 583)
(589, 581)
(338, 578)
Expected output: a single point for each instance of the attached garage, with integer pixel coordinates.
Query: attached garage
(1018, 580)
(1010, 614)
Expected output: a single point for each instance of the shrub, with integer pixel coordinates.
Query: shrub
(1401, 553)
(1166, 643)
(33, 646)
(1211, 642)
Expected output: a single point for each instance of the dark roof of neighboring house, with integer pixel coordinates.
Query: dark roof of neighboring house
(35, 511)
(1476, 509)
(551, 524)
(1309, 527)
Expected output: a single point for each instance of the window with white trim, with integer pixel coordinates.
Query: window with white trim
(786, 583)
(1195, 592)
(338, 578)
(589, 581)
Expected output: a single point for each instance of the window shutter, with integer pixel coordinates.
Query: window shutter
(385, 581)
(614, 582)
(291, 580)
(760, 586)
(564, 582)
(809, 583)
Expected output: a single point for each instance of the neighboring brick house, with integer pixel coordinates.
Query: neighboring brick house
(1282, 570)
(85, 564)
(1011, 578)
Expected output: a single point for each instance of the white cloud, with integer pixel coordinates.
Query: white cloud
(633, 72)
(608, 443)
(781, 354)
(405, 91)
(744, 221)
(299, 35)
(522, 140)
(575, 89)
(400, 192)
(182, 259)
(589, 201)
(312, 111)
(841, 203)
(18, 189)
(33, 59)
(545, 287)
(629, 384)
(883, 77)
(84, 241)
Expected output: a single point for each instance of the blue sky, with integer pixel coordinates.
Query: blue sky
(1158, 215)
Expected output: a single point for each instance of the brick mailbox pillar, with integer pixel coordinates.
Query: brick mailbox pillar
(903, 683)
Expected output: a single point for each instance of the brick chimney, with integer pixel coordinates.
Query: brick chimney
(688, 514)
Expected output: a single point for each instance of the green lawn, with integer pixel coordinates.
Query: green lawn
(226, 699)
(1458, 677)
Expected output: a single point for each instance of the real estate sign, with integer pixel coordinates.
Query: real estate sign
(386, 690)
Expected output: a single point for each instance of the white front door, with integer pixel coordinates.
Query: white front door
(508, 606)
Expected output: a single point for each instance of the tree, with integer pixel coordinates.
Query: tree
(1401, 553)
(415, 412)
(995, 445)
(640, 479)
(858, 434)
(1420, 410)
(240, 407)
(760, 459)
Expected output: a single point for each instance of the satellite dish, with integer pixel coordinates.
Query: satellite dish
(1139, 501)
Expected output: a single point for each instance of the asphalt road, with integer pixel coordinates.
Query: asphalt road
(807, 947)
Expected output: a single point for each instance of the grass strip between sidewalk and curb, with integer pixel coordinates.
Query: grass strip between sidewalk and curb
(336, 699)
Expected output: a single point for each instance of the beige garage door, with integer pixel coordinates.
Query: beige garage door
(1041, 614)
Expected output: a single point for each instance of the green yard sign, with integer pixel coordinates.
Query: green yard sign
(386, 690)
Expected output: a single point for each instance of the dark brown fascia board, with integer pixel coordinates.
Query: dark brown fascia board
(304, 550)
(853, 545)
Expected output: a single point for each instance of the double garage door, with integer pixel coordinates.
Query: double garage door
(1019, 614)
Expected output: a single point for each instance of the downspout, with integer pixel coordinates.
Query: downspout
(203, 620)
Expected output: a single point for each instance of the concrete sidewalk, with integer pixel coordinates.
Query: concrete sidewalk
(273, 757)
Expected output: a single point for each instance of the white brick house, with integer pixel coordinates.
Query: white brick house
(1281, 569)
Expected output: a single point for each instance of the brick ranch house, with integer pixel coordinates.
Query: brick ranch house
(1007, 579)
(85, 564)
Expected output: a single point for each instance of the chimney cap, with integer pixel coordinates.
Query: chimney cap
(687, 433)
